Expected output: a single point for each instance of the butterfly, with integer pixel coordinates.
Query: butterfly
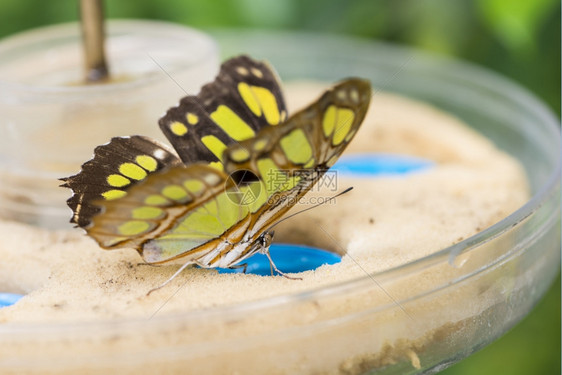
(238, 164)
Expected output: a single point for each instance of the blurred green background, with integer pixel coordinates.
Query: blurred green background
(519, 39)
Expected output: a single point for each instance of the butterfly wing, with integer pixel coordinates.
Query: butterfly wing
(289, 159)
(244, 98)
(115, 167)
(164, 213)
(181, 211)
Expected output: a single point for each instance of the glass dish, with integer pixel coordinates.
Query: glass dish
(506, 268)
(51, 120)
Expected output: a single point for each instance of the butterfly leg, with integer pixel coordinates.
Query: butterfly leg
(270, 265)
(243, 265)
(274, 267)
(172, 277)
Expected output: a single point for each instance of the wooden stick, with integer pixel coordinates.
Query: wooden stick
(93, 37)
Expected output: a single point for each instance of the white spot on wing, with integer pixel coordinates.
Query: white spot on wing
(159, 154)
(242, 71)
(257, 72)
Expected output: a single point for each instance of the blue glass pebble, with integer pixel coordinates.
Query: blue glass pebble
(375, 164)
(288, 258)
(7, 299)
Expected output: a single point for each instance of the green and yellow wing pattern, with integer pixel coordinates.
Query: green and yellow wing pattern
(244, 98)
(115, 168)
(289, 159)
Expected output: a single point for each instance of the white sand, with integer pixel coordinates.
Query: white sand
(382, 223)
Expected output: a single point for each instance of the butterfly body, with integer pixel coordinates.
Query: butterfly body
(238, 164)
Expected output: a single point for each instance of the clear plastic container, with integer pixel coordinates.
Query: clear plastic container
(496, 276)
(51, 121)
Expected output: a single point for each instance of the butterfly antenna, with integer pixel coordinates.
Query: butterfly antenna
(310, 208)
